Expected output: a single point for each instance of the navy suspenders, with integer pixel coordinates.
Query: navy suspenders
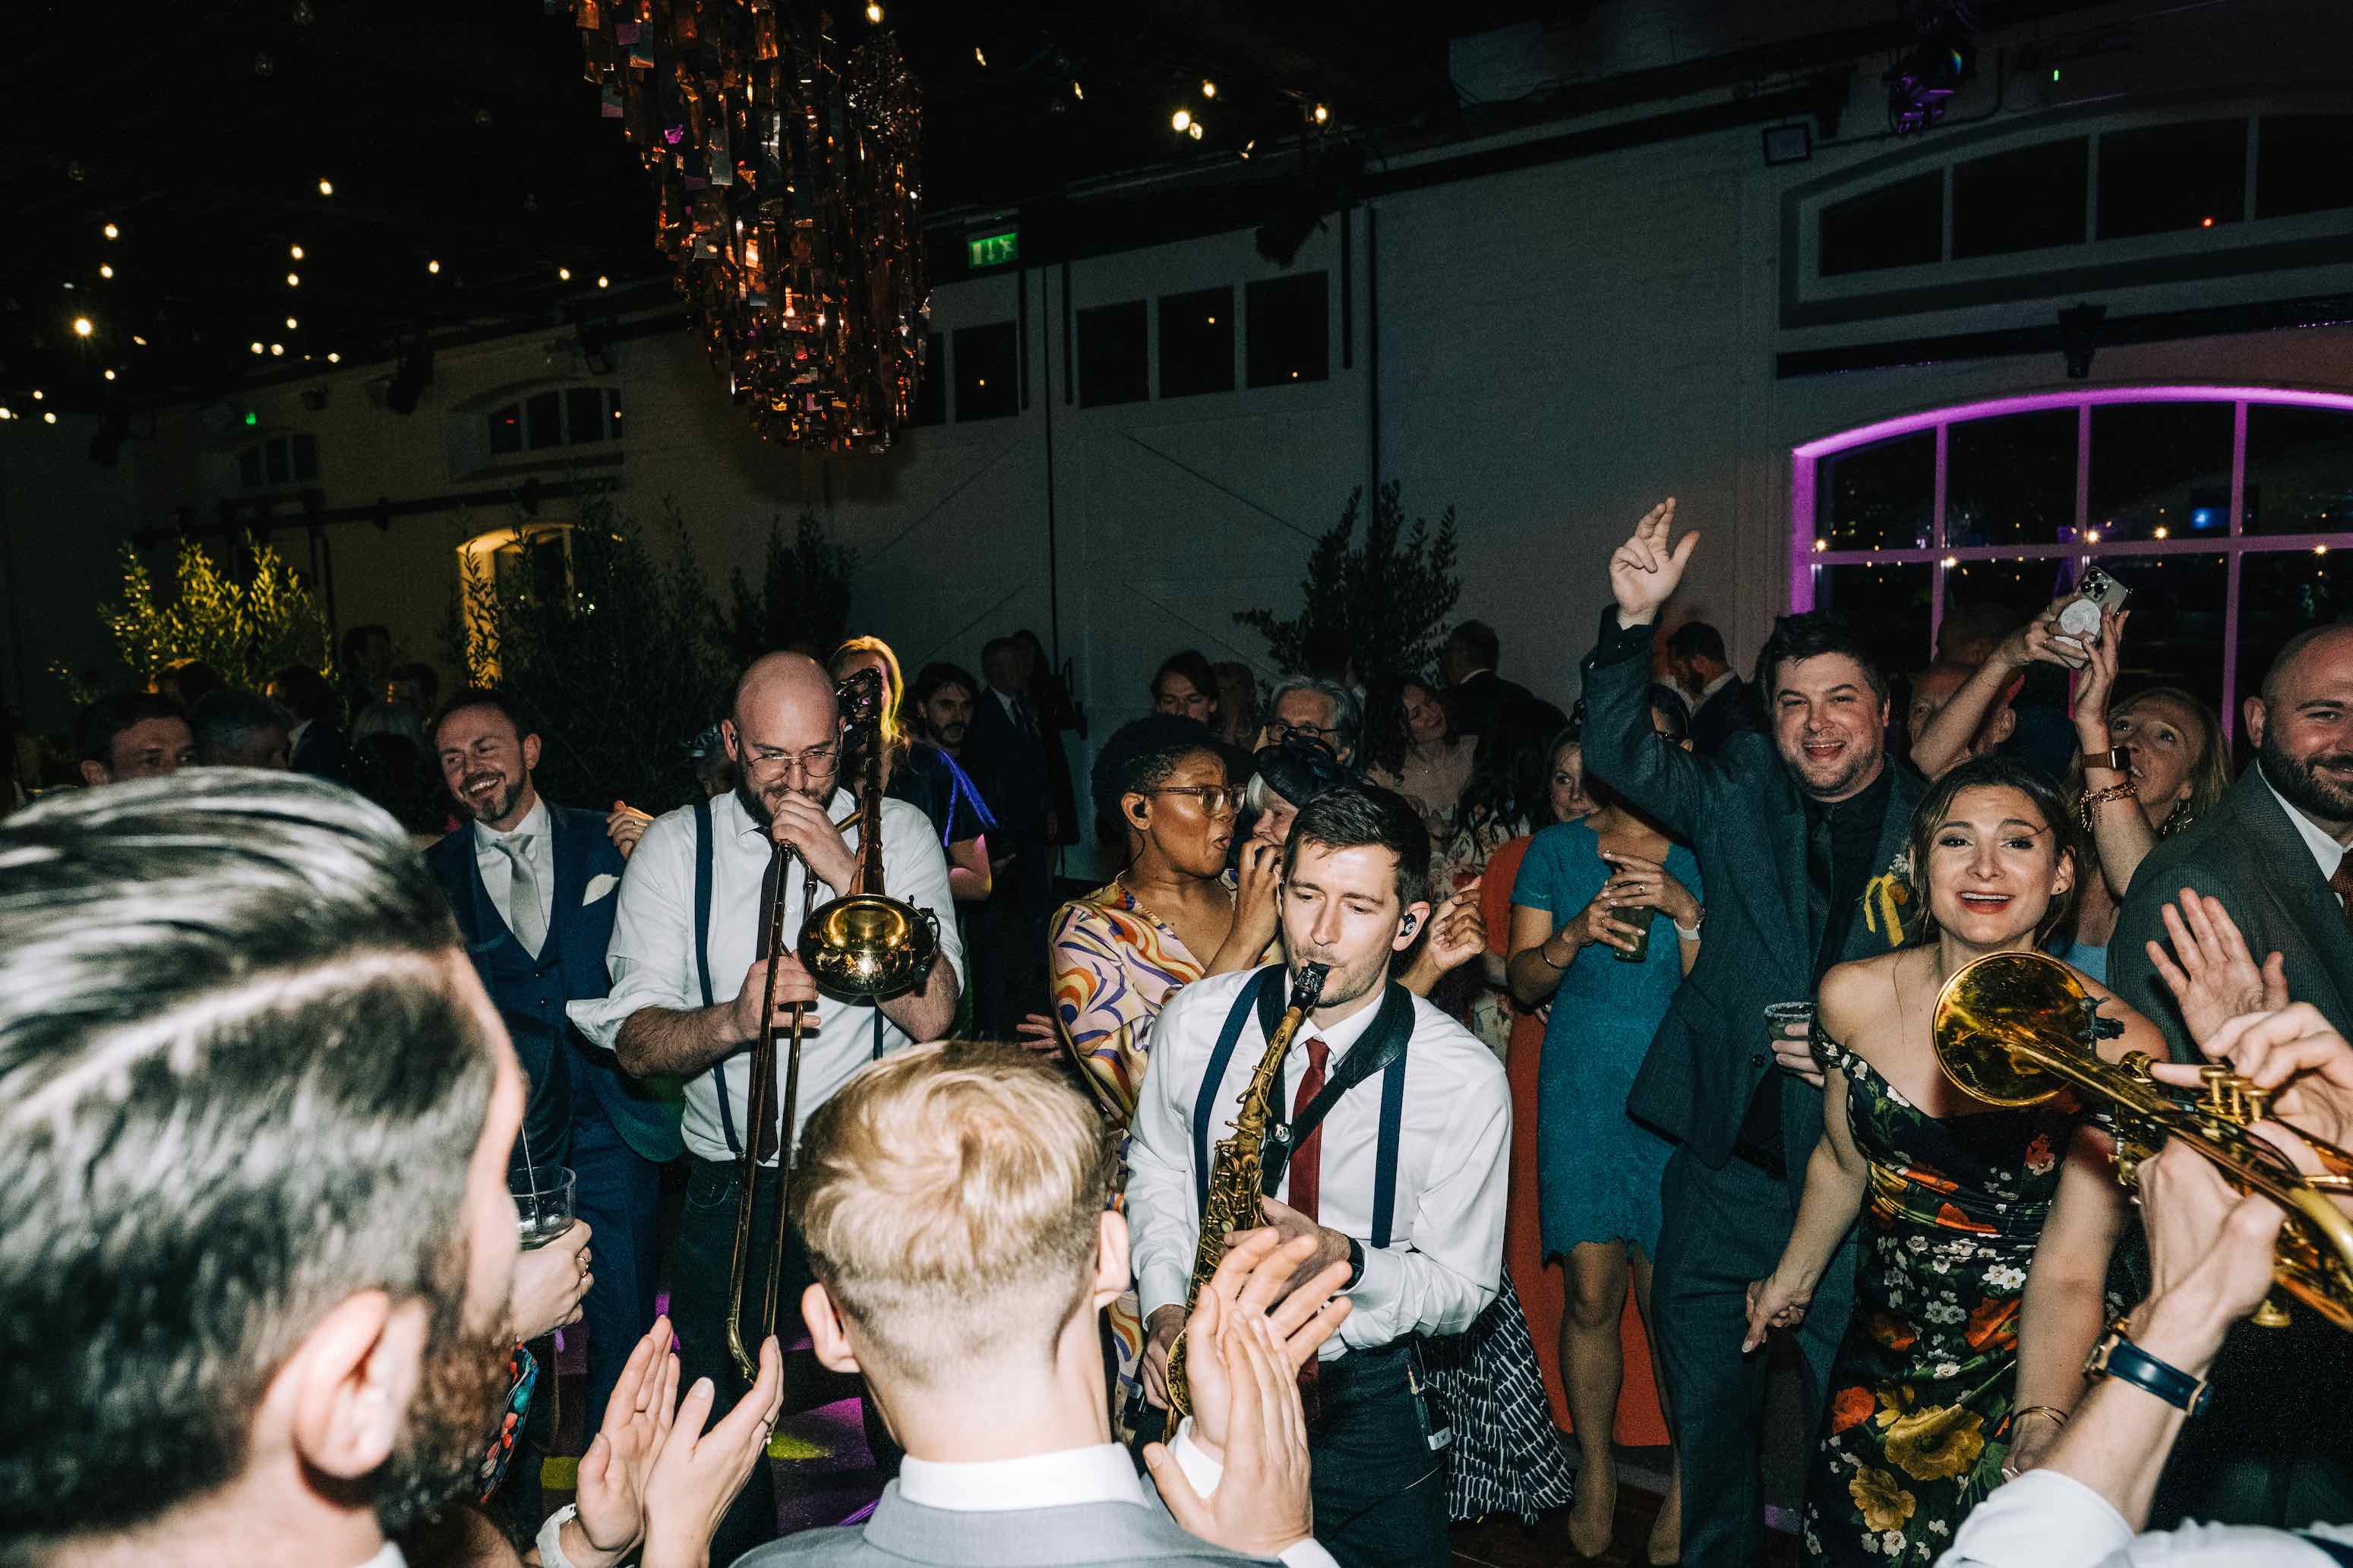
(1396, 1022)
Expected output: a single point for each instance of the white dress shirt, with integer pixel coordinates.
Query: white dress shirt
(651, 956)
(1103, 1473)
(2047, 1520)
(2326, 853)
(1444, 1260)
(498, 872)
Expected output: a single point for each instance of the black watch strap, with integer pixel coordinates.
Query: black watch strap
(2117, 1356)
(1356, 1263)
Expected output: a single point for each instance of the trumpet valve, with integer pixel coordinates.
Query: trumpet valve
(2230, 1099)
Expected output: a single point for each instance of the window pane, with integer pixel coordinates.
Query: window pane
(986, 366)
(1901, 225)
(1290, 331)
(1887, 605)
(249, 468)
(930, 404)
(1196, 343)
(2280, 594)
(2022, 200)
(306, 457)
(506, 429)
(2160, 466)
(2176, 635)
(2171, 178)
(541, 420)
(2010, 480)
(1113, 355)
(2299, 470)
(1878, 497)
(2303, 164)
(278, 470)
(583, 414)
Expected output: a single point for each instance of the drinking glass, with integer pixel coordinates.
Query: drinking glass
(1780, 1016)
(542, 1197)
(1639, 916)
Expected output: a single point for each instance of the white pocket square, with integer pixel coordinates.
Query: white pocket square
(600, 886)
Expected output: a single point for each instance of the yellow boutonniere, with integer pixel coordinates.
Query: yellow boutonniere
(1884, 899)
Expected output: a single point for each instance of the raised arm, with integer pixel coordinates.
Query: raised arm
(1620, 747)
(2120, 829)
(1947, 739)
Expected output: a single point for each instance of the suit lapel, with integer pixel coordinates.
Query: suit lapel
(1871, 934)
(569, 848)
(2301, 892)
(1787, 847)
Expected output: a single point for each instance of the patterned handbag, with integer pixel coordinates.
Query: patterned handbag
(1507, 1457)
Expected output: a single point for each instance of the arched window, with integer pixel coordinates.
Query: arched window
(2218, 506)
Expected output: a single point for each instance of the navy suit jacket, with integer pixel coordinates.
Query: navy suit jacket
(321, 754)
(1747, 821)
(1009, 766)
(531, 994)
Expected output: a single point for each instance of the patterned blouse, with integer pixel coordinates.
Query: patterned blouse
(1115, 966)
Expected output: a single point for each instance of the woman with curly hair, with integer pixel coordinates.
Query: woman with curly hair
(1928, 1393)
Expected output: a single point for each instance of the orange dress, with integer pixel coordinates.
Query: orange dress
(1543, 1289)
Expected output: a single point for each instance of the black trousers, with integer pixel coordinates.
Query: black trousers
(1379, 1487)
(698, 1308)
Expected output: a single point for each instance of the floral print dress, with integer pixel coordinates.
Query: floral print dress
(1926, 1377)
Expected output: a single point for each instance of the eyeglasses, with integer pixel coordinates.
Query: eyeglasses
(1283, 731)
(817, 762)
(1216, 799)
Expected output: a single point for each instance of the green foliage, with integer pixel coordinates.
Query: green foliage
(612, 648)
(244, 626)
(804, 598)
(1384, 601)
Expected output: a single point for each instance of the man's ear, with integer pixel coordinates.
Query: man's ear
(1110, 1259)
(827, 1337)
(735, 741)
(95, 775)
(530, 754)
(1409, 924)
(2253, 709)
(350, 1381)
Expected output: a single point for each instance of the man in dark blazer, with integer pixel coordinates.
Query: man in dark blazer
(1722, 705)
(533, 886)
(1798, 831)
(1005, 752)
(317, 732)
(2273, 1449)
(1481, 701)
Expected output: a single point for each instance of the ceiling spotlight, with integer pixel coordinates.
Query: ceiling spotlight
(38, 394)
(277, 351)
(326, 187)
(602, 281)
(1322, 114)
(139, 341)
(291, 323)
(112, 232)
(1249, 147)
(293, 280)
(874, 13)
(1194, 131)
(1208, 88)
(50, 418)
(563, 274)
(1077, 92)
(334, 358)
(106, 269)
(979, 58)
(295, 251)
(6, 412)
(434, 268)
(1179, 121)
(110, 376)
(255, 347)
(82, 327)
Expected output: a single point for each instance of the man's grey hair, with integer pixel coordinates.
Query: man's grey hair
(237, 1086)
(1350, 721)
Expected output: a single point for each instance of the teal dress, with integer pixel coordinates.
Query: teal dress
(1598, 1169)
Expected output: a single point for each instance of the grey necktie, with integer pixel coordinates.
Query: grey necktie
(522, 893)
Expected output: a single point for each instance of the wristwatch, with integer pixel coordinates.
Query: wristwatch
(1356, 1263)
(2117, 1356)
(2116, 759)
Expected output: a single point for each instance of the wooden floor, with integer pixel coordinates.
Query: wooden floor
(1508, 1543)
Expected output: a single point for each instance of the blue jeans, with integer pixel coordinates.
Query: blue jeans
(619, 1192)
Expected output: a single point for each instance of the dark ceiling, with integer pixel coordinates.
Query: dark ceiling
(463, 132)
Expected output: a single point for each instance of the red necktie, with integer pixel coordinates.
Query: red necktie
(1307, 1160)
(2341, 884)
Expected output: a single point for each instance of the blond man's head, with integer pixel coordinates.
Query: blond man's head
(951, 1198)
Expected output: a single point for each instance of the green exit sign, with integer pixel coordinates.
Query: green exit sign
(993, 249)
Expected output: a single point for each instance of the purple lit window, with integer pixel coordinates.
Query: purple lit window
(2225, 509)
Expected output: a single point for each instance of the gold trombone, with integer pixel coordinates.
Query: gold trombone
(2015, 1028)
(858, 947)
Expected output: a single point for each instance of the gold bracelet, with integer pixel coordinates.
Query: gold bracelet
(2092, 802)
(2052, 1411)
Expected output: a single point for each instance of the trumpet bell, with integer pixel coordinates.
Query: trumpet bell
(865, 945)
(1999, 1001)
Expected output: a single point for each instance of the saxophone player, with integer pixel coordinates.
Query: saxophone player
(1389, 1128)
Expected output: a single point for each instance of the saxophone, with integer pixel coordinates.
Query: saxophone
(1235, 1178)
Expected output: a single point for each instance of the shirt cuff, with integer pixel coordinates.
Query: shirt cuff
(599, 1019)
(1205, 1473)
(1620, 643)
(2043, 1520)
(1377, 1293)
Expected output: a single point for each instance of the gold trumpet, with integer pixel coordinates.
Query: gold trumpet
(2015, 1028)
(858, 947)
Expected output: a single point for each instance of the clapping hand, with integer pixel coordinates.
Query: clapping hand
(1644, 572)
(1458, 930)
(621, 1458)
(2215, 978)
(1261, 1505)
(697, 1473)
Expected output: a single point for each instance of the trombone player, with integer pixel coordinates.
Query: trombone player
(688, 982)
